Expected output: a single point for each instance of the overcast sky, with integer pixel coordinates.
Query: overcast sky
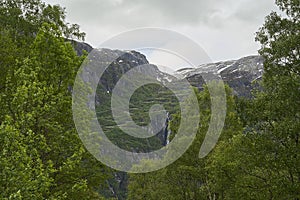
(225, 29)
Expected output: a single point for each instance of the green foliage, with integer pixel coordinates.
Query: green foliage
(139, 106)
(257, 156)
(24, 18)
(263, 162)
(23, 174)
(189, 177)
(41, 155)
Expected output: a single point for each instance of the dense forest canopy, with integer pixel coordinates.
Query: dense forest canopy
(41, 156)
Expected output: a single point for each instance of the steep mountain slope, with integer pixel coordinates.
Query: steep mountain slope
(118, 63)
(240, 74)
(140, 103)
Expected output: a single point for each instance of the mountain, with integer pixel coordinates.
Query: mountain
(241, 75)
(118, 63)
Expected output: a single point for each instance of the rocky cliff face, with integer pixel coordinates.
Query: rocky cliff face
(118, 63)
(241, 75)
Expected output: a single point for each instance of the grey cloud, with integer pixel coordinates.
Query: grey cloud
(147, 12)
(253, 11)
(225, 27)
(136, 13)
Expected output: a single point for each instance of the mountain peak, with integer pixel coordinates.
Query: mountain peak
(240, 74)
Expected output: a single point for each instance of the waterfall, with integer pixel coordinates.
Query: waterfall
(167, 132)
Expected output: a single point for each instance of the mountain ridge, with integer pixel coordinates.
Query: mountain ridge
(240, 74)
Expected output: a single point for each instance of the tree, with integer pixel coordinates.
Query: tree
(20, 21)
(279, 121)
(23, 175)
(24, 18)
(189, 177)
(263, 162)
(37, 101)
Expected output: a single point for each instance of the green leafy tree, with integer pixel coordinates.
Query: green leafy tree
(189, 177)
(37, 99)
(23, 174)
(24, 18)
(41, 155)
(279, 119)
(263, 162)
(20, 22)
